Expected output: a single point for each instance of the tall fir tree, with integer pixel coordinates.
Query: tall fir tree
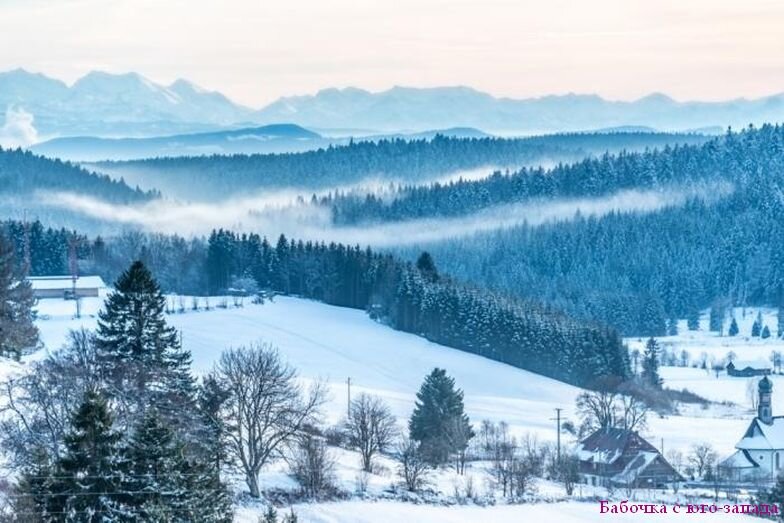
(18, 333)
(89, 486)
(756, 327)
(139, 354)
(650, 364)
(733, 330)
(439, 422)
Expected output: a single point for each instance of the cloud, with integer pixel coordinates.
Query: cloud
(313, 222)
(18, 130)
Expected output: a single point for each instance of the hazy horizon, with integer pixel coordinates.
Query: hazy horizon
(565, 92)
(256, 52)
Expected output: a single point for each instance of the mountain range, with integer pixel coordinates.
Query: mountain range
(130, 105)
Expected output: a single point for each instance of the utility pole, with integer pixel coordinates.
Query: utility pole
(348, 405)
(73, 265)
(558, 433)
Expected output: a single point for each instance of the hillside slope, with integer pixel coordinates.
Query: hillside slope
(334, 343)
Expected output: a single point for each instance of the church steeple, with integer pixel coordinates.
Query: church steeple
(765, 408)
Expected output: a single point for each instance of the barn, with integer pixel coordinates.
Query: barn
(66, 287)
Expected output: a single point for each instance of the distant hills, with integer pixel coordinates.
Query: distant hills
(130, 105)
(417, 109)
(267, 139)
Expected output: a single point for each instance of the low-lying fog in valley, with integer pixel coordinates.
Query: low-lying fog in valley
(288, 212)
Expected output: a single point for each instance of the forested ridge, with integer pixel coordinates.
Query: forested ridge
(399, 160)
(23, 173)
(637, 271)
(413, 298)
(742, 158)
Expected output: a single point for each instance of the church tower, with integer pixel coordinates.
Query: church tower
(765, 409)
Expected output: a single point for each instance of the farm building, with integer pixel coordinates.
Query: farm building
(61, 287)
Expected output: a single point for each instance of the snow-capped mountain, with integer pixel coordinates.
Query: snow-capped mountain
(419, 109)
(107, 104)
(130, 105)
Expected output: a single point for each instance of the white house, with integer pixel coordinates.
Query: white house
(760, 452)
(66, 286)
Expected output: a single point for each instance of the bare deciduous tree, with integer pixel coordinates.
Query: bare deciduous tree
(266, 407)
(37, 405)
(312, 466)
(702, 457)
(413, 465)
(598, 408)
(633, 412)
(371, 428)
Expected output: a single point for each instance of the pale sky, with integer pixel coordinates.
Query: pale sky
(257, 50)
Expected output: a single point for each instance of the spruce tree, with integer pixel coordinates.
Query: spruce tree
(650, 364)
(89, 485)
(439, 422)
(693, 320)
(139, 355)
(756, 328)
(18, 334)
(733, 330)
(36, 493)
(165, 484)
(765, 334)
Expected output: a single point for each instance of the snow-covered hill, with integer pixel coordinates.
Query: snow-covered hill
(334, 343)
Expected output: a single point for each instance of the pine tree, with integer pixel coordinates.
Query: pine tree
(756, 328)
(139, 355)
(36, 493)
(166, 485)
(427, 266)
(780, 321)
(650, 364)
(18, 334)
(90, 484)
(439, 422)
(693, 320)
(733, 330)
(765, 334)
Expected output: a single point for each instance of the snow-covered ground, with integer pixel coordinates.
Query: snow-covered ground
(333, 344)
(393, 512)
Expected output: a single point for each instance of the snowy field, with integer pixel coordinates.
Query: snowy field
(333, 344)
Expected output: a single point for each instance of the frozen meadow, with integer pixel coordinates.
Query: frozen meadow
(333, 344)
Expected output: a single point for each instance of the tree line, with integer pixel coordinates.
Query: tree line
(744, 158)
(640, 271)
(414, 298)
(391, 160)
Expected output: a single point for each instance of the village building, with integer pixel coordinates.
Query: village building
(66, 287)
(622, 458)
(760, 452)
(748, 369)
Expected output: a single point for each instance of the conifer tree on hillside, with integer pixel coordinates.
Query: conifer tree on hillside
(650, 364)
(89, 486)
(756, 328)
(439, 423)
(427, 266)
(139, 354)
(18, 334)
(733, 330)
(693, 320)
(165, 485)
